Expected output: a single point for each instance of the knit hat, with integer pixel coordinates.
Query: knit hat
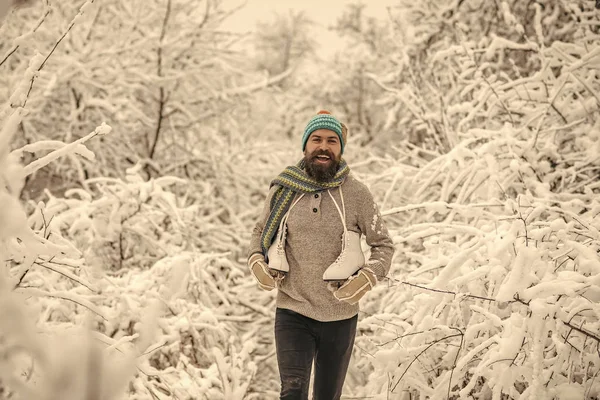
(324, 120)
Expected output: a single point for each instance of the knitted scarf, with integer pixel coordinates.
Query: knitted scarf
(292, 180)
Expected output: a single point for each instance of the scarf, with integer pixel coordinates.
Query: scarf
(292, 180)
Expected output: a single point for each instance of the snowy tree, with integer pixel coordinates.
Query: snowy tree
(284, 43)
(352, 93)
(132, 282)
(458, 46)
(494, 292)
(88, 277)
(161, 72)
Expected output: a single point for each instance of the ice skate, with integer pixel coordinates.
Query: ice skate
(350, 260)
(277, 258)
(276, 253)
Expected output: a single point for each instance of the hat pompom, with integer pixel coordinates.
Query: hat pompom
(323, 112)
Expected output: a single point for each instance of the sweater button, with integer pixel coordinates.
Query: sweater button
(316, 195)
(315, 210)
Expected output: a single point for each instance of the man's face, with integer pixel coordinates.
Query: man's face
(322, 154)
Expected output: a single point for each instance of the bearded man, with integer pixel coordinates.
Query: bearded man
(312, 211)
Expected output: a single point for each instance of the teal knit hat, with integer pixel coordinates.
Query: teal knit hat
(323, 120)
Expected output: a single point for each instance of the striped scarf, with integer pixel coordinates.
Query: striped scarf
(292, 180)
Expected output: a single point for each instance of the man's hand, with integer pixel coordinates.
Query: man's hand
(267, 278)
(356, 286)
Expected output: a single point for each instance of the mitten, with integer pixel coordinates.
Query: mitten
(356, 286)
(267, 278)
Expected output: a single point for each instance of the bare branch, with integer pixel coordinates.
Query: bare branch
(421, 353)
(37, 26)
(162, 98)
(54, 48)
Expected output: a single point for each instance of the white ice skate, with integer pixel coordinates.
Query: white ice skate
(351, 258)
(276, 253)
(277, 257)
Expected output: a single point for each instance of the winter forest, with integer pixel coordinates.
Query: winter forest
(137, 142)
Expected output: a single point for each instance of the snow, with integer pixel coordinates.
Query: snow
(481, 148)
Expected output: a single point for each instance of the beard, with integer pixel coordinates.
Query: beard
(319, 172)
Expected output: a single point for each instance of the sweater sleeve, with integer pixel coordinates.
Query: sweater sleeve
(373, 227)
(255, 246)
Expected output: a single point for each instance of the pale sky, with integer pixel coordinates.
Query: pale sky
(324, 12)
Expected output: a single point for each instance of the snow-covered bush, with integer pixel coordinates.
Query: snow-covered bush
(138, 285)
(42, 272)
(490, 275)
(495, 287)
(454, 68)
(139, 268)
(162, 265)
(70, 331)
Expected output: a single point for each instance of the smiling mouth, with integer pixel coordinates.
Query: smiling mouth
(322, 159)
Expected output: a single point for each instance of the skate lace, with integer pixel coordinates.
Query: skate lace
(282, 231)
(345, 238)
(280, 248)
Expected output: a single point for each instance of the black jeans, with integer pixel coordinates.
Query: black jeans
(299, 341)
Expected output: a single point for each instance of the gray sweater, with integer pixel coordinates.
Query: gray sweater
(313, 242)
